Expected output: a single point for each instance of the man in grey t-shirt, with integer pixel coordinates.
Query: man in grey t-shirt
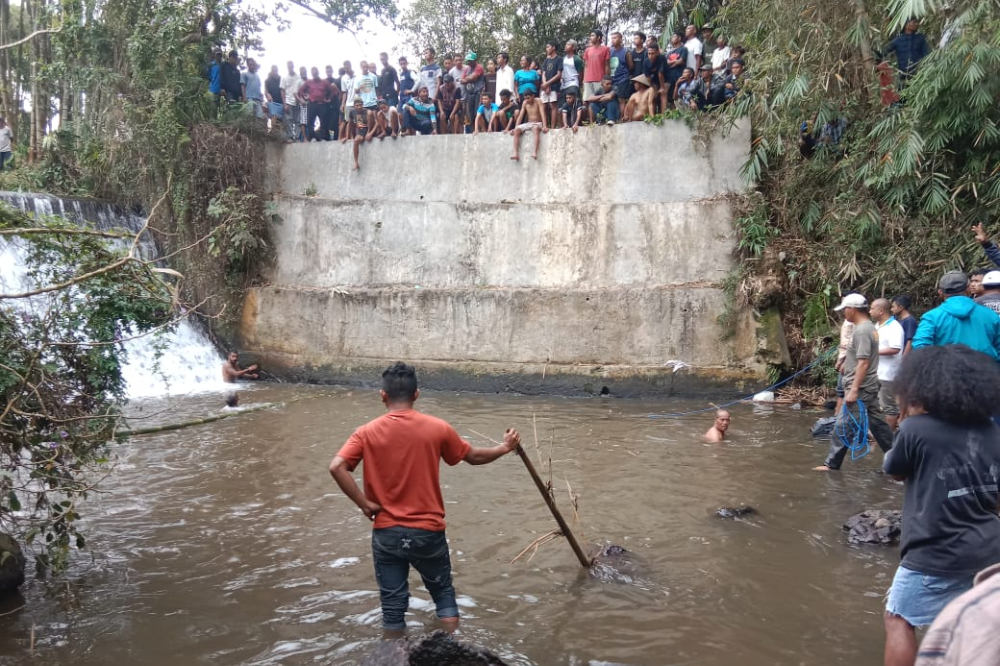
(861, 383)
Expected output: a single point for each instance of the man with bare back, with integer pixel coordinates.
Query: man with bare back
(643, 100)
(531, 118)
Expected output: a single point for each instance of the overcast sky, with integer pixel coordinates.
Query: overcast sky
(312, 42)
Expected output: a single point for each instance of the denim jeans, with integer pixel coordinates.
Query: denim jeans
(394, 549)
(602, 112)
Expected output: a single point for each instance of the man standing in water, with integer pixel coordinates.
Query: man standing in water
(231, 369)
(717, 432)
(860, 383)
(402, 495)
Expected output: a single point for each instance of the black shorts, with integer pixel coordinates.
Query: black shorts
(360, 132)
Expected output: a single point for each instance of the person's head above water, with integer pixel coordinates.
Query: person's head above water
(232, 399)
(234, 356)
(722, 419)
(399, 385)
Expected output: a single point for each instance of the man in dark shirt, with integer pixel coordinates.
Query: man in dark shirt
(551, 77)
(232, 86)
(900, 309)
(948, 453)
(652, 68)
(910, 47)
(330, 126)
(991, 291)
(388, 82)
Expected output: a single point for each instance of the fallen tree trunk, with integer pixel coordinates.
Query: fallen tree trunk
(193, 422)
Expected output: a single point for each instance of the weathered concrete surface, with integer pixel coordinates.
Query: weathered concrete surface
(589, 269)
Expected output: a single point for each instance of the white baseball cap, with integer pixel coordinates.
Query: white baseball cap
(853, 301)
(992, 279)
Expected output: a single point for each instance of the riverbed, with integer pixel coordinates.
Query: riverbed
(229, 543)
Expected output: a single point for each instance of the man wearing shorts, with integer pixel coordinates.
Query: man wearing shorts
(597, 65)
(551, 78)
(402, 451)
(890, 356)
(360, 123)
(531, 118)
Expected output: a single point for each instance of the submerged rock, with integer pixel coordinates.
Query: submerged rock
(437, 649)
(615, 564)
(876, 526)
(12, 563)
(824, 427)
(735, 511)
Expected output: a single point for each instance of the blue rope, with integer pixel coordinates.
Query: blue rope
(853, 431)
(817, 360)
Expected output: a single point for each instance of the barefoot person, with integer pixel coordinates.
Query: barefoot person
(530, 119)
(361, 122)
(642, 103)
(717, 432)
(402, 451)
(231, 370)
(948, 454)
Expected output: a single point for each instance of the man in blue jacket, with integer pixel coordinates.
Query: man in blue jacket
(910, 47)
(959, 320)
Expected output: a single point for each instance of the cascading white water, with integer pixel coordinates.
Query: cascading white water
(188, 364)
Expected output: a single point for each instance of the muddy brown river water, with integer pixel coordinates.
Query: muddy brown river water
(229, 543)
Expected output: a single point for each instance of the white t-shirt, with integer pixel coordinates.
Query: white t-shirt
(570, 77)
(505, 81)
(720, 56)
(890, 336)
(695, 49)
(347, 88)
(290, 84)
(5, 139)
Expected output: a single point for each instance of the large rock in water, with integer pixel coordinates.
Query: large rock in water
(874, 526)
(437, 649)
(11, 565)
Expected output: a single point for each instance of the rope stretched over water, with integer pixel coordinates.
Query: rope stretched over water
(816, 361)
(853, 431)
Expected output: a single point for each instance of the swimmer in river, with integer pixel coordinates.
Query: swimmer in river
(232, 400)
(717, 432)
(231, 370)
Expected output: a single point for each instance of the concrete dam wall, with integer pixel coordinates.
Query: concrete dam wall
(597, 268)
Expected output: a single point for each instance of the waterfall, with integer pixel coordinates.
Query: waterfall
(188, 364)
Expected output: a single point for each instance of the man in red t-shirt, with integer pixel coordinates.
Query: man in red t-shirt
(597, 65)
(318, 93)
(402, 451)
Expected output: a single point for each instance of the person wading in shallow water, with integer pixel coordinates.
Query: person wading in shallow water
(402, 451)
(231, 370)
(717, 432)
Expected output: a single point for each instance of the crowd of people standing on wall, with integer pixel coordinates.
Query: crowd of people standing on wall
(601, 84)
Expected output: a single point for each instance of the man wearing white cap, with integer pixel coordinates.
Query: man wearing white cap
(991, 291)
(861, 383)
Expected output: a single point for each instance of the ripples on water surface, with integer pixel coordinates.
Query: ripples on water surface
(229, 543)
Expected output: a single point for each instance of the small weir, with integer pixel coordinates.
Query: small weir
(178, 363)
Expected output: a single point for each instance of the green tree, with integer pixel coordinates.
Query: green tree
(888, 208)
(62, 349)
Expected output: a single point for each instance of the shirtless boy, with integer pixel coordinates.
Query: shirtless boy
(531, 118)
(642, 103)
